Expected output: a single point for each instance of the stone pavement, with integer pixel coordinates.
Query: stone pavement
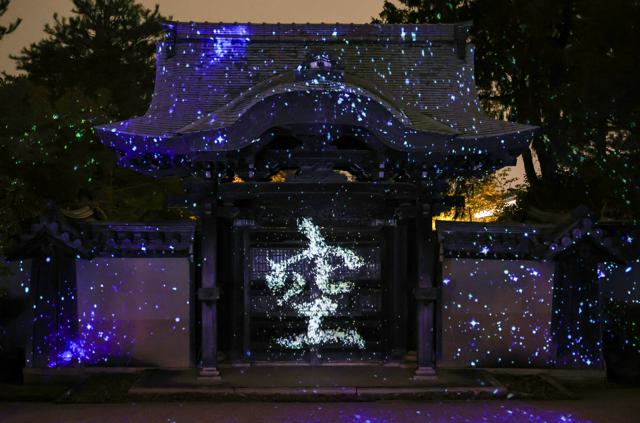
(317, 383)
(304, 384)
(611, 405)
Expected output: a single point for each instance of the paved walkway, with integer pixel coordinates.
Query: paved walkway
(605, 406)
(317, 383)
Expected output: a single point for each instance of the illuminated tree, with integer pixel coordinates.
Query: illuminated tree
(288, 283)
(485, 199)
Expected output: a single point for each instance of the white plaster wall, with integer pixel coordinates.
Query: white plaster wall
(134, 311)
(496, 313)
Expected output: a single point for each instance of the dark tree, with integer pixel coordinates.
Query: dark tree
(51, 153)
(93, 67)
(4, 30)
(105, 49)
(423, 11)
(567, 66)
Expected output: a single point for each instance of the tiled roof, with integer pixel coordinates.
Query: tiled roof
(425, 71)
(88, 239)
(493, 240)
(619, 240)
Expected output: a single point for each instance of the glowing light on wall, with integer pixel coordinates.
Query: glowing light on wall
(289, 285)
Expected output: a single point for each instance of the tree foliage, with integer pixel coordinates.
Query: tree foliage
(568, 66)
(52, 154)
(105, 49)
(4, 30)
(93, 67)
(486, 198)
(423, 11)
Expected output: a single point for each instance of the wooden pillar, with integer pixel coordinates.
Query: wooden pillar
(208, 295)
(246, 295)
(237, 309)
(398, 327)
(425, 296)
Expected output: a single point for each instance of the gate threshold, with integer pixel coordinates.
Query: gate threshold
(316, 383)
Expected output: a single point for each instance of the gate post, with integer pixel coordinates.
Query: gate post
(425, 295)
(208, 293)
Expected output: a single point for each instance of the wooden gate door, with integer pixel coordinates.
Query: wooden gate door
(359, 312)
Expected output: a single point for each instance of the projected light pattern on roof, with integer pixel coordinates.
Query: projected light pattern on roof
(214, 71)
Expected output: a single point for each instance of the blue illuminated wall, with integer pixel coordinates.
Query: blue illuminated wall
(497, 313)
(133, 311)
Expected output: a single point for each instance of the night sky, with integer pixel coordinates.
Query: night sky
(35, 13)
